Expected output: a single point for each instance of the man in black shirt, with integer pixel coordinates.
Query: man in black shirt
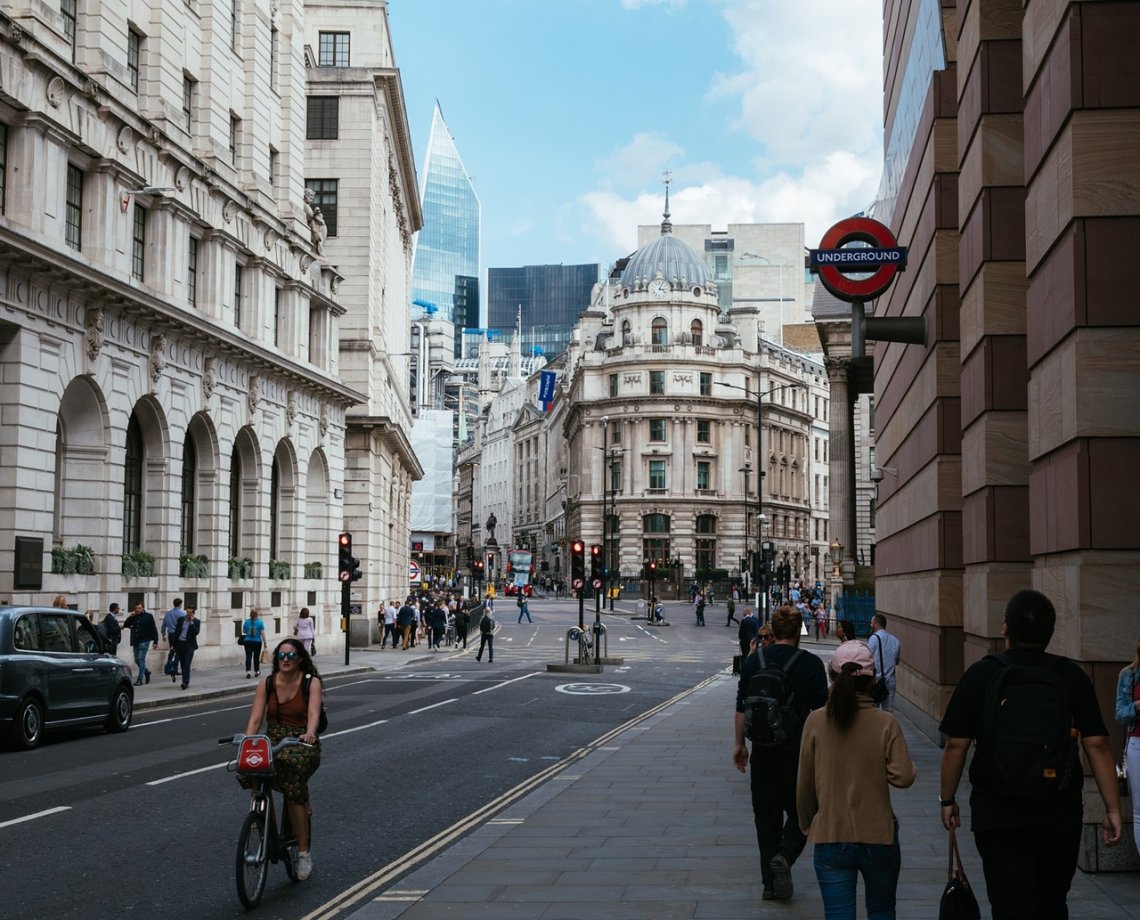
(774, 769)
(1028, 844)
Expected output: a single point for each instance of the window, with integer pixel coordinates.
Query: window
(613, 384)
(134, 52)
(659, 334)
(235, 503)
(626, 332)
(189, 515)
(235, 136)
(696, 330)
(274, 166)
(74, 207)
(239, 286)
(333, 49)
(192, 272)
(67, 11)
(655, 523)
(132, 487)
(657, 383)
(322, 118)
(615, 475)
(274, 57)
(189, 93)
(703, 477)
(657, 474)
(657, 429)
(234, 23)
(3, 166)
(274, 506)
(705, 384)
(706, 544)
(704, 431)
(138, 243)
(616, 432)
(277, 318)
(324, 197)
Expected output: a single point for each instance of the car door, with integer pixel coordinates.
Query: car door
(69, 671)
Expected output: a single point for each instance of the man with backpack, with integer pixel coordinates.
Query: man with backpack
(779, 685)
(1026, 710)
(486, 635)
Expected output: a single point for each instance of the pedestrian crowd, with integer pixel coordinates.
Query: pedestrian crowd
(826, 750)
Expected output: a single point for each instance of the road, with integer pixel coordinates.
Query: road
(148, 821)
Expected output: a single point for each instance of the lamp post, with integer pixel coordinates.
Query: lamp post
(750, 567)
(605, 511)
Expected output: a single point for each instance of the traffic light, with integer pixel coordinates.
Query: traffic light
(477, 566)
(597, 570)
(577, 563)
(348, 567)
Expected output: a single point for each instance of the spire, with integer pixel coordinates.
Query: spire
(666, 224)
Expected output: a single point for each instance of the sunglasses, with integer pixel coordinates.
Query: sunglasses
(286, 656)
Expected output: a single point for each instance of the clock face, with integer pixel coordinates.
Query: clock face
(659, 288)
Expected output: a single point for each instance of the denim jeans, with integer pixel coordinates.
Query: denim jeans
(837, 866)
(140, 660)
(1132, 762)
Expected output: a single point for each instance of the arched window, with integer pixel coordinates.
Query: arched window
(235, 504)
(274, 506)
(133, 488)
(189, 515)
(626, 332)
(659, 332)
(696, 330)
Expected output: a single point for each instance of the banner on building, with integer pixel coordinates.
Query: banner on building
(546, 389)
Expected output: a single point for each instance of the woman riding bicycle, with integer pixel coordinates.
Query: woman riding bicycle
(290, 714)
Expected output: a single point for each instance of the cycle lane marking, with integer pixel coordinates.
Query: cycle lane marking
(39, 814)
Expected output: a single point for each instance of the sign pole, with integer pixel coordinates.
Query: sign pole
(344, 616)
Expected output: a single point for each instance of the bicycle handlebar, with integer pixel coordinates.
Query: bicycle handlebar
(287, 741)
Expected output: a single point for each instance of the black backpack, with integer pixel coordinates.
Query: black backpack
(771, 718)
(1027, 745)
(324, 722)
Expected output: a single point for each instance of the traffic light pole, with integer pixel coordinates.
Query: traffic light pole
(344, 590)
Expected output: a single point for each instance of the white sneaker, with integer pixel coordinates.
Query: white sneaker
(304, 866)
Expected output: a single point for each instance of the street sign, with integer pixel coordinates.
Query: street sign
(597, 582)
(414, 571)
(577, 584)
(881, 256)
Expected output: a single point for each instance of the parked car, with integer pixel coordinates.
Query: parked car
(55, 672)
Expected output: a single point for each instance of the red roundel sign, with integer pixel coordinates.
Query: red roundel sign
(881, 255)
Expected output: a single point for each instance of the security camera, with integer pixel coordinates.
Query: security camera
(876, 474)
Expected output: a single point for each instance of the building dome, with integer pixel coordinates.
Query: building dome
(673, 258)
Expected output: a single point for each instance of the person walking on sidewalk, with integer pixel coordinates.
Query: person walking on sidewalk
(305, 629)
(186, 643)
(1127, 707)
(1027, 810)
(731, 605)
(388, 625)
(112, 629)
(253, 638)
(486, 635)
(144, 631)
(774, 765)
(524, 608)
(850, 756)
(885, 650)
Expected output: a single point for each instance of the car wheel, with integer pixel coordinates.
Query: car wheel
(28, 726)
(122, 710)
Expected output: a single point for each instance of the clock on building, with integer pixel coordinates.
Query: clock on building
(659, 288)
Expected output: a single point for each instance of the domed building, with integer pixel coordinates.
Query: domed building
(665, 393)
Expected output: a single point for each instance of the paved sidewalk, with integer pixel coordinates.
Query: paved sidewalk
(656, 824)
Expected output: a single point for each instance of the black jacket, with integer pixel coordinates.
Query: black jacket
(142, 627)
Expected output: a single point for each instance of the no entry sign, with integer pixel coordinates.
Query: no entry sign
(880, 255)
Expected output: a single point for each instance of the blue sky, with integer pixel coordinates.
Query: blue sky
(567, 112)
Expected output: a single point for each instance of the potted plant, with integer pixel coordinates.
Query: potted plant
(79, 560)
(240, 569)
(278, 570)
(313, 570)
(191, 566)
(138, 564)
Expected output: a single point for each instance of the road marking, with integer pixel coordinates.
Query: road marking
(587, 689)
(349, 731)
(505, 683)
(38, 814)
(168, 779)
(432, 706)
(418, 855)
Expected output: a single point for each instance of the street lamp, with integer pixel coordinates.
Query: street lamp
(836, 558)
(760, 473)
(749, 568)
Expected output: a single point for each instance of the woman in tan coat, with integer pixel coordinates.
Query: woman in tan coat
(850, 755)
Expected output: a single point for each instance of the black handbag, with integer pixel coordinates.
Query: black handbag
(958, 900)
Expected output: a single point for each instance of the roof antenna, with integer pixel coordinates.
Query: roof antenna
(666, 224)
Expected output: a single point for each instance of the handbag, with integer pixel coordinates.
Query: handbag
(241, 640)
(958, 900)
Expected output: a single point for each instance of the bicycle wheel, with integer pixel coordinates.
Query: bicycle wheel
(251, 868)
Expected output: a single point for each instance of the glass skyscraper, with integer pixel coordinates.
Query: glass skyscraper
(445, 270)
(547, 297)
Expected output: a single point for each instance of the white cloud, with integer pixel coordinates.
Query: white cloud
(647, 154)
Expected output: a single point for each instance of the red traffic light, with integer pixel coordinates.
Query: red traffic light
(345, 540)
(653, 566)
(577, 547)
(596, 550)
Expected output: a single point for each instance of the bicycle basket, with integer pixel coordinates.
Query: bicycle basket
(255, 757)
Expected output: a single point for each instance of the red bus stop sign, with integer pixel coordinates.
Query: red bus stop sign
(880, 255)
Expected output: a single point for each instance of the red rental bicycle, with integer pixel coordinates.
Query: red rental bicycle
(261, 840)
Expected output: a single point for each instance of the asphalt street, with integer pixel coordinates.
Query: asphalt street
(421, 749)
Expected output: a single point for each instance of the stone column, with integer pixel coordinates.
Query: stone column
(841, 488)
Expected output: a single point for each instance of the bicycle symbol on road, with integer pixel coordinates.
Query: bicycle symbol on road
(592, 689)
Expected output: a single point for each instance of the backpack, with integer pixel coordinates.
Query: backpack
(1028, 747)
(771, 719)
(324, 722)
(487, 624)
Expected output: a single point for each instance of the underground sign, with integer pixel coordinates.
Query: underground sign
(836, 260)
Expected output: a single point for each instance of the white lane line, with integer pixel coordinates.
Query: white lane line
(38, 814)
(168, 779)
(432, 706)
(349, 731)
(505, 683)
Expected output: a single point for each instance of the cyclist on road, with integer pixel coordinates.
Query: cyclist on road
(281, 697)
